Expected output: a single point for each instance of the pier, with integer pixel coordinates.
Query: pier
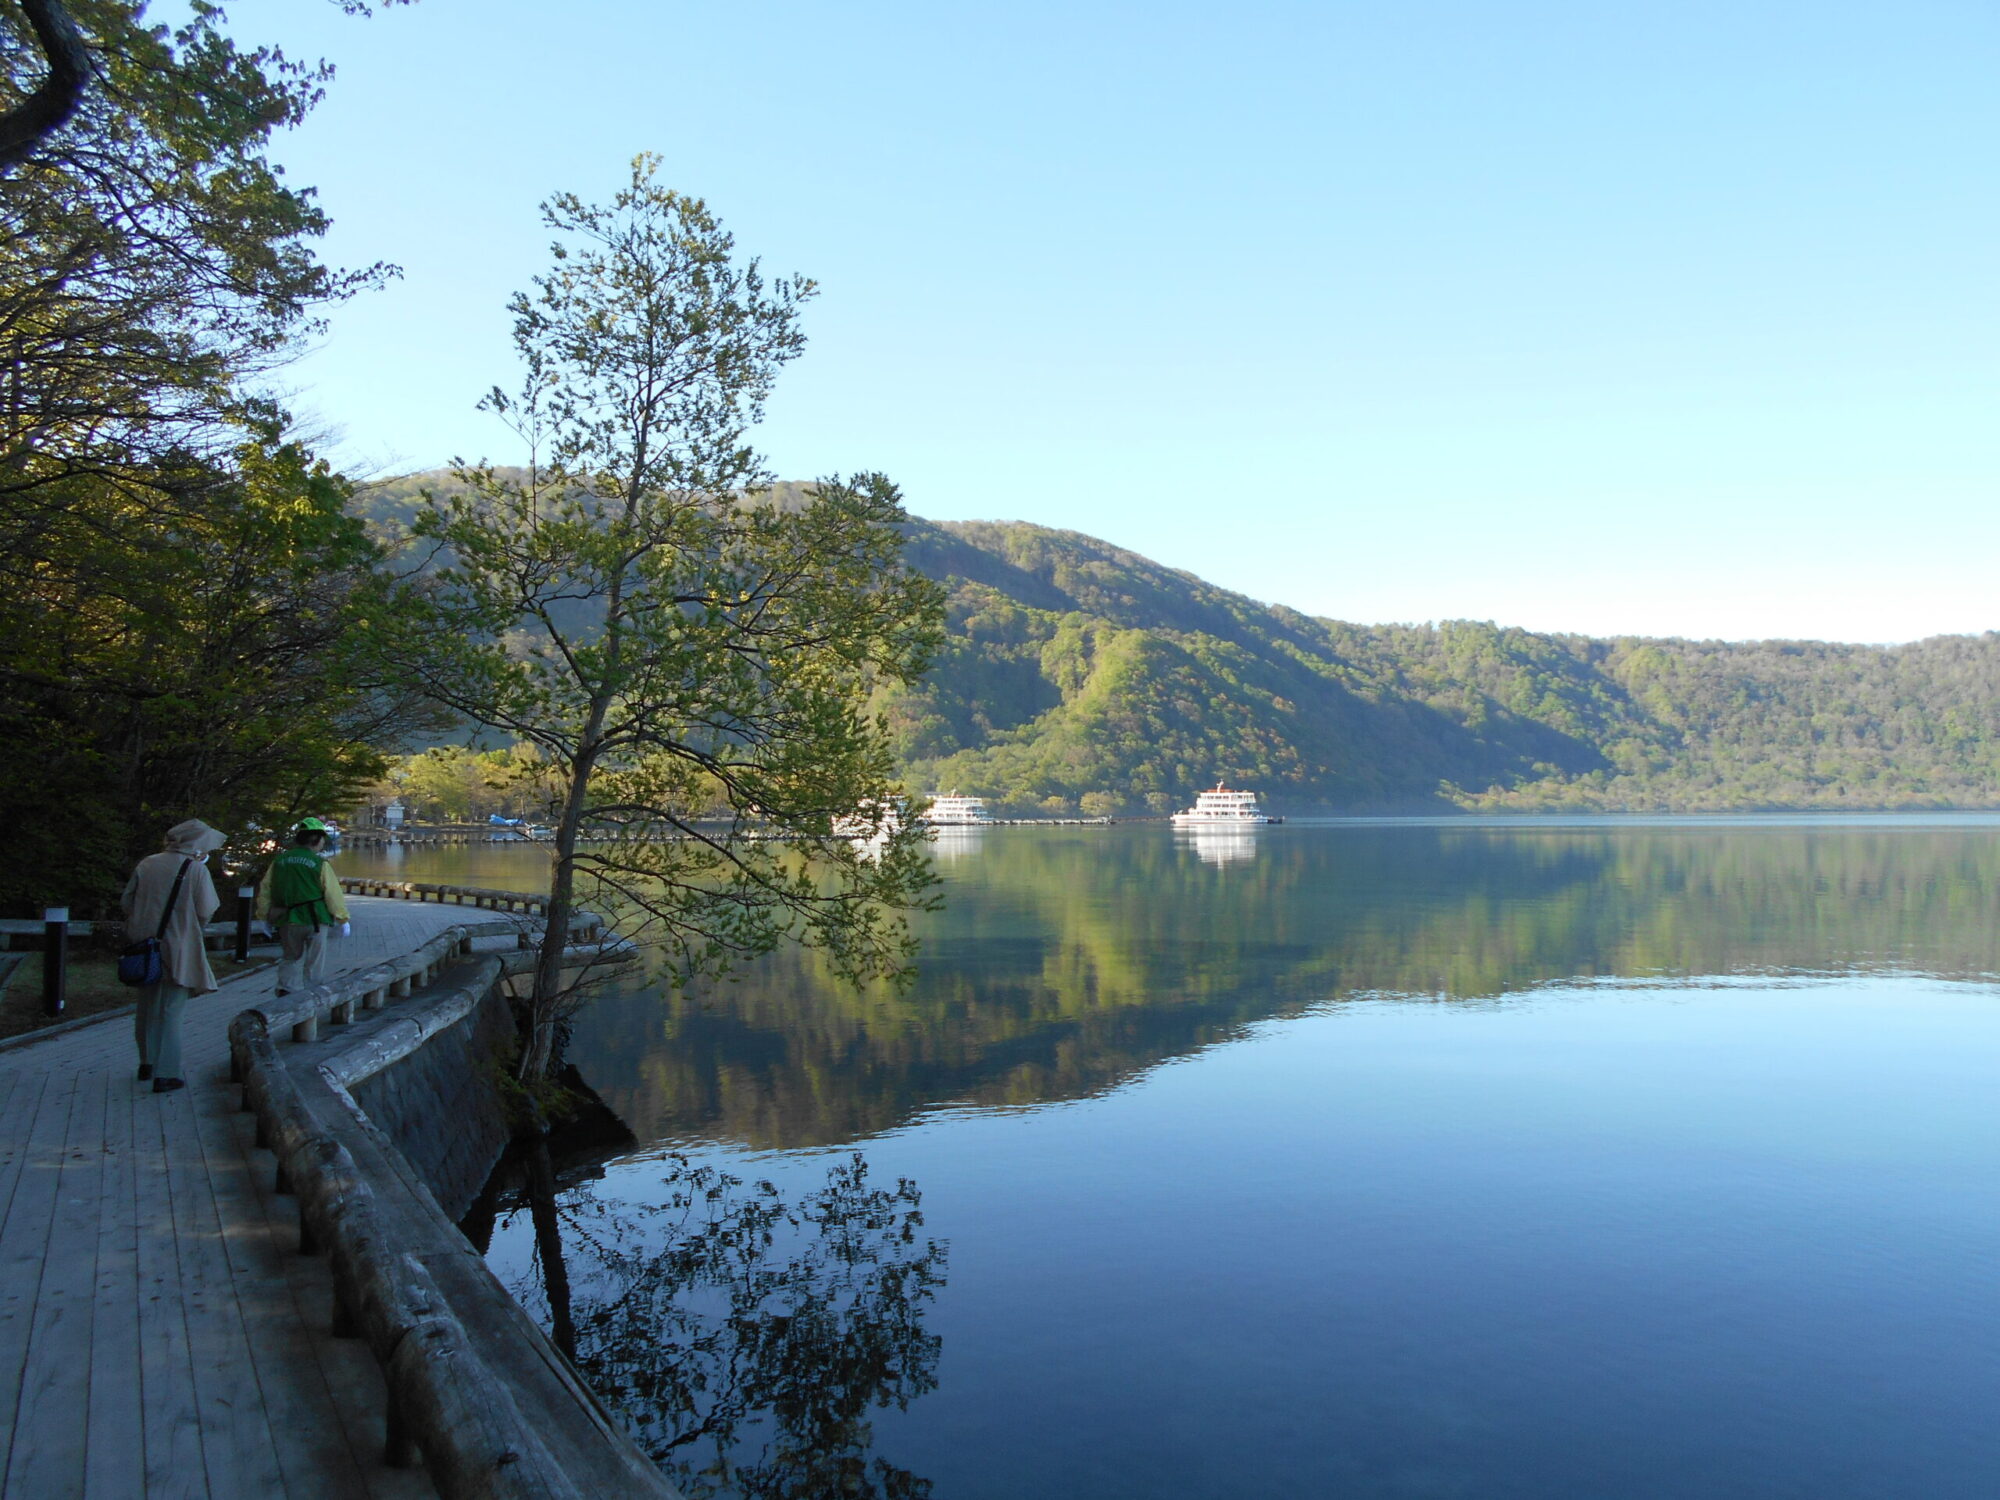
(428, 835)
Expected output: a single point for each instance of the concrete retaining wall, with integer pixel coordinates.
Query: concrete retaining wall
(441, 1107)
(476, 1389)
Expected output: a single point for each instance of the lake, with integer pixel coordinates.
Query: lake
(1402, 1158)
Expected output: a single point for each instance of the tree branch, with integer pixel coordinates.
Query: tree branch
(30, 122)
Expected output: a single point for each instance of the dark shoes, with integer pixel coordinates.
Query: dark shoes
(145, 1071)
(168, 1085)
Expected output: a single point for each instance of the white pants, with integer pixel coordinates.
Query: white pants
(304, 963)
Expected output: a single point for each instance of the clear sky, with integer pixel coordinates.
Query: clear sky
(1674, 319)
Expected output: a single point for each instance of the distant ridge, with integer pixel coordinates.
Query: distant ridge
(1075, 667)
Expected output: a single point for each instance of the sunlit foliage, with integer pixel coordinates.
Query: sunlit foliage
(1073, 668)
(185, 605)
(690, 652)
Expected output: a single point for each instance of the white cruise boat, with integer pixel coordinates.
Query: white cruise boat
(1223, 808)
(949, 810)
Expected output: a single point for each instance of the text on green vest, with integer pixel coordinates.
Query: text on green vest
(297, 894)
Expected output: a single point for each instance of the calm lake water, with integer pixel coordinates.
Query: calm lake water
(1413, 1159)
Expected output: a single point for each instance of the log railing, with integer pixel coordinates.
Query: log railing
(372, 988)
(443, 1403)
(461, 895)
(448, 1408)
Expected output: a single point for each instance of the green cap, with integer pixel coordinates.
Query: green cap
(313, 825)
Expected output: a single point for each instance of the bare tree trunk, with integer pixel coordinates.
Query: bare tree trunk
(30, 122)
(538, 1051)
(538, 1055)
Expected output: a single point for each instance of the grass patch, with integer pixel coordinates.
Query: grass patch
(92, 988)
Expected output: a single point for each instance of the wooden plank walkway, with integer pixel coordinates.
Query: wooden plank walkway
(160, 1334)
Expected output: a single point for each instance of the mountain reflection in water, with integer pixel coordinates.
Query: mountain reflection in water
(1066, 960)
(1545, 1159)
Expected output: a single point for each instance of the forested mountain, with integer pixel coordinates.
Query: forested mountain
(1074, 667)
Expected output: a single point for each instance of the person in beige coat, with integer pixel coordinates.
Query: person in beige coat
(183, 955)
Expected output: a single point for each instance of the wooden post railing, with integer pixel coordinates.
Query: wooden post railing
(449, 1407)
(444, 1403)
(483, 897)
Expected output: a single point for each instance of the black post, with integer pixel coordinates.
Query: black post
(246, 898)
(55, 958)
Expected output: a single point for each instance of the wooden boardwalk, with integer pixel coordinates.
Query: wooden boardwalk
(160, 1334)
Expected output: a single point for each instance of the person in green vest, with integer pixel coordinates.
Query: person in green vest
(302, 901)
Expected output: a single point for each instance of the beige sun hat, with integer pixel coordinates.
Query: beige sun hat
(194, 837)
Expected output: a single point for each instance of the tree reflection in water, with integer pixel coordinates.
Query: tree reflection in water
(747, 1337)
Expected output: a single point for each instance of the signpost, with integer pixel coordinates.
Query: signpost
(246, 898)
(55, 958)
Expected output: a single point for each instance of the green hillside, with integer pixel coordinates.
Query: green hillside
(1074, 667)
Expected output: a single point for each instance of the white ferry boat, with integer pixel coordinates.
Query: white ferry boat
(1223, 808)
(949, 810)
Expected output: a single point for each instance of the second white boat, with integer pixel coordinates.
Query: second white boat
(1223, 808)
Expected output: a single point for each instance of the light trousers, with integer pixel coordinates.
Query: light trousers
(304, 961)
(157, 1025)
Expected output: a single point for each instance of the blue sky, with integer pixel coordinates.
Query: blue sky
(1615, 319)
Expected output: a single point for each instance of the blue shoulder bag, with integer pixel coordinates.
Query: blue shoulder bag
(140, 962)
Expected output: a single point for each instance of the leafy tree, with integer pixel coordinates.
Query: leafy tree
(53, 100)
(153, 261)
(183, 599)
(448, 784)
(230, 669)
(454, 784)
(676, 638)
